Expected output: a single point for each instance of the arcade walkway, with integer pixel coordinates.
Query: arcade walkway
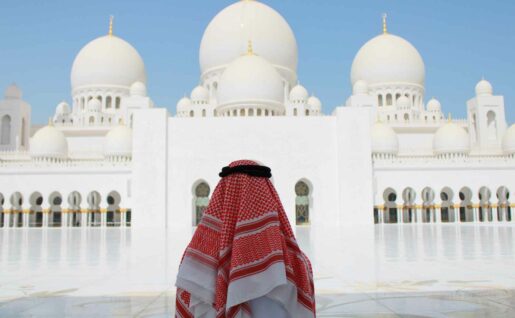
(407, 270)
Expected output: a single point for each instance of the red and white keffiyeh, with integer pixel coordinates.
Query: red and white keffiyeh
(243, 249)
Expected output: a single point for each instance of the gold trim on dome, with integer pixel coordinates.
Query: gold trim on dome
(250, 49)
(385, 27)
(111, 20)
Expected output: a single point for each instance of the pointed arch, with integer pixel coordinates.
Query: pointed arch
(466, 210)
(55, 217)
(491, 123)
(5, 131)
(94, 216)
(303, 200)
(201, 192)
(23, 124)
(428, 208)
(74, 201)
(485, 206)
(36, 210)
(390, 212)
(504, 208)
(113, 215)
(447, 213)
(409, 196)
(16, 209)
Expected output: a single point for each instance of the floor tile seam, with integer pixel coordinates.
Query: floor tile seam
(149, 304)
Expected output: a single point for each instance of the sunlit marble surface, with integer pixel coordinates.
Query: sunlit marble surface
(422, 270)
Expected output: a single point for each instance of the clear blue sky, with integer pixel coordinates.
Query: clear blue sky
(460, 42)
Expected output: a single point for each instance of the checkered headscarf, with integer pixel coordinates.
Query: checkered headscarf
(243, 249)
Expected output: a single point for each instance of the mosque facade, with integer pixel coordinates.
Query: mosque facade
(111, 157)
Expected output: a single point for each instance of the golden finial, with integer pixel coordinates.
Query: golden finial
(385, 29)
(449, 118)
(250, 50)
(111, 19)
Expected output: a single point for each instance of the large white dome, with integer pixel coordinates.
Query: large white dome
(508, 141)
(63, 108)
(386, 59)
(484, 88)
(107, 61)
(451, 139)
(138, 89)
(49, 142)
(250, 78)
(384, 139)
(298, 94)
(434, 105)
(315, 104)
(199, 95)
(183, 105)
(227, 35)
(13, 92)
(118, 142)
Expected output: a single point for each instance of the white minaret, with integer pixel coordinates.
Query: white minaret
(486, 119)
(14, 120)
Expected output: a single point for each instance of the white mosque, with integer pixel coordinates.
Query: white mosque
(111, 157)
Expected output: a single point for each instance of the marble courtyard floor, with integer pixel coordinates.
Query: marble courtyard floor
(419, 270)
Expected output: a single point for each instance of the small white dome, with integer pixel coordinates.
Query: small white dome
(183, 104)
(118, 142)
(484, 88)
(138, 89)
(107, 61)
(298, 94)
(62, 109)
(250, 78)
(384, 139)
(403, 102)
(226, 37)
(388, 58)
(200, 94)
(508, 141)
(13, 92)
(94, 105)
(434, 105)
(49, 142)
(451, 139)
(360, 88)
(314, 103)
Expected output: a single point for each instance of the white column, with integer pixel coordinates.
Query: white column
(25, 214)
(84, 219)
(7, 219)
(123, 217)
(438, 215)
(46, 215)
(475, 213)
(64, 217)
(103, 218)
(495, 215)
(418, 212)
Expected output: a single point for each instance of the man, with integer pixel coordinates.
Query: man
(243, 260)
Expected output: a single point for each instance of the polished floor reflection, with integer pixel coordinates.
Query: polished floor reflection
(410, 270)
